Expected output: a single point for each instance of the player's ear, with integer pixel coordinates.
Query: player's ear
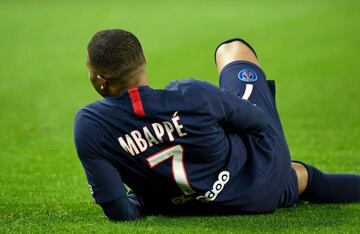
(101, 81)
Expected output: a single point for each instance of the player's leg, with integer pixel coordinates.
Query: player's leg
(234, 50)
(319, 187)
(240, 73)
(234, 56)
(302, 176)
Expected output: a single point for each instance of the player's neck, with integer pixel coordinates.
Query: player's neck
(136, 79)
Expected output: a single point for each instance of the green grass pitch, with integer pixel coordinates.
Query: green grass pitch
(311, 48)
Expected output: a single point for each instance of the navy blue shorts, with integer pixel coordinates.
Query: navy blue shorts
(248, 81)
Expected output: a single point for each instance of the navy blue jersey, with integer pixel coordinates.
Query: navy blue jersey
(189, 147)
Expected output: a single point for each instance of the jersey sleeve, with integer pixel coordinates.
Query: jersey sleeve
(104, 180)
(124, 208)
(230, 110)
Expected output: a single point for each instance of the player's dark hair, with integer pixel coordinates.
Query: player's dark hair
(114, 53)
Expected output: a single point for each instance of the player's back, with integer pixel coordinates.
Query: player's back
(176, 148)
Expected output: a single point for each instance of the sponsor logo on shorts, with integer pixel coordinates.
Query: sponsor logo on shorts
(247, 75)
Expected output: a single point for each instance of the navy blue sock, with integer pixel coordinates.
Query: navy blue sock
(331, 188)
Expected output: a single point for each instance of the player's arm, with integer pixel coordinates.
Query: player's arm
(229, 110)
(109, 191)
(242, 115)
(124, 208)
(107, 187)
(235, 113)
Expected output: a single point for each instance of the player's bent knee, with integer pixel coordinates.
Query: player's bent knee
(302, 175)
(233, 51)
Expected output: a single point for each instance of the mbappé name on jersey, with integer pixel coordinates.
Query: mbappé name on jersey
(139, 140)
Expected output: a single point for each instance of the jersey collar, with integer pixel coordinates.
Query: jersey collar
(144, 90)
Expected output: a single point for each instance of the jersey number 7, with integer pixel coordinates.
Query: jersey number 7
(176, 154)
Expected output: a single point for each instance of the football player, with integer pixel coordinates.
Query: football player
(191, 148)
